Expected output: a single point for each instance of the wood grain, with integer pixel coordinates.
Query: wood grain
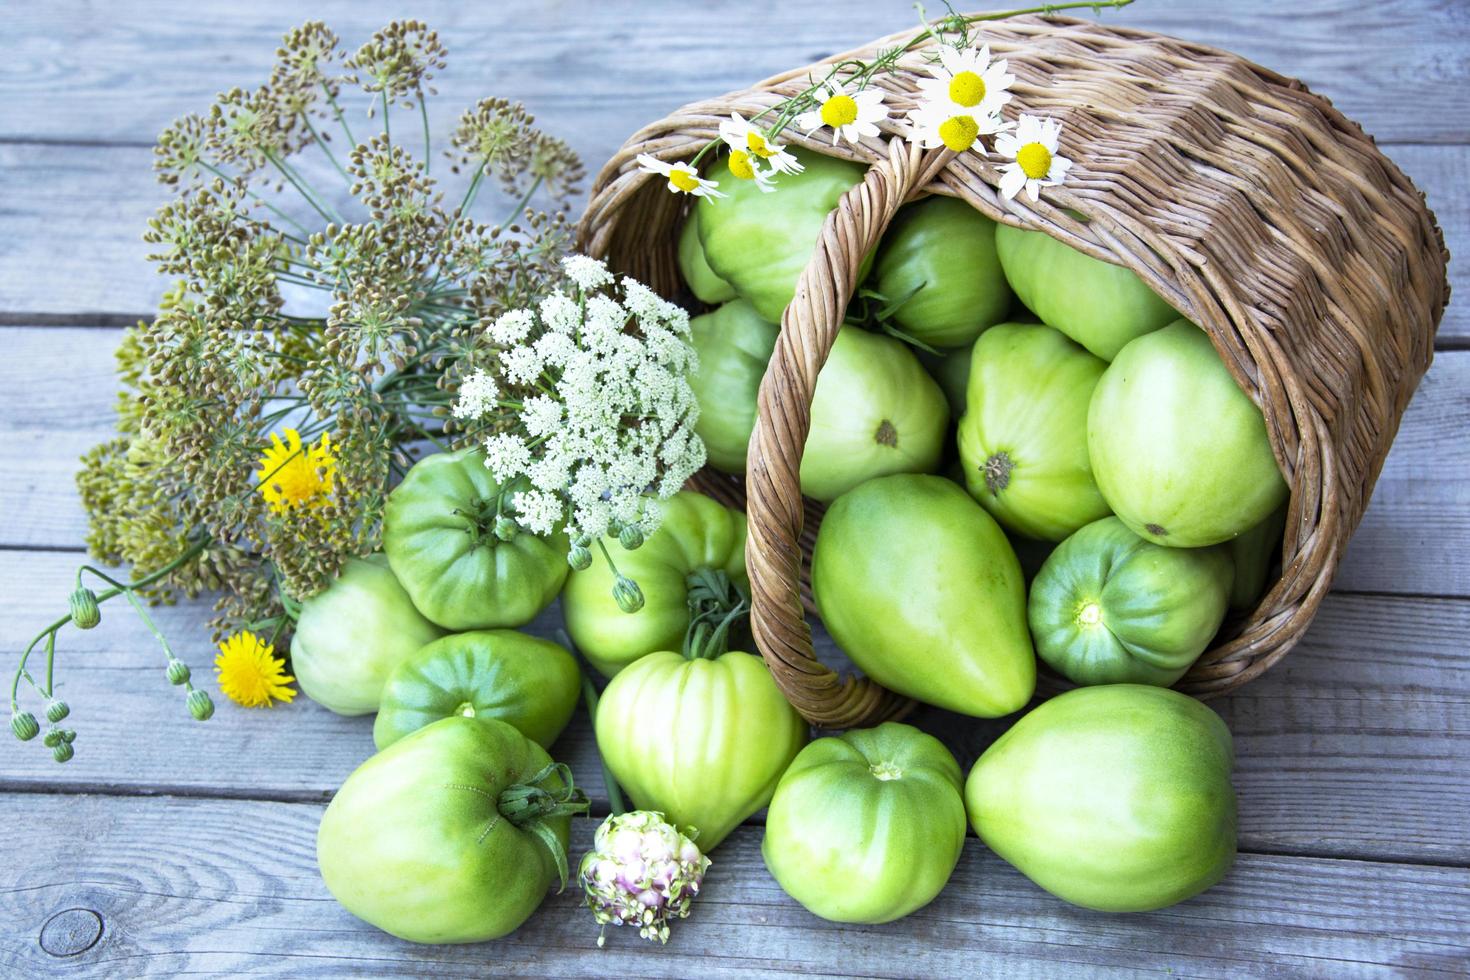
(230, 887)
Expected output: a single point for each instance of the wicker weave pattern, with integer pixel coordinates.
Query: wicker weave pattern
(1250, 204)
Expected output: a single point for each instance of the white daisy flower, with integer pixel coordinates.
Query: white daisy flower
(852, 115)
(968, 80)
(746, 167)
(682, 178)
(1033, 147)
(741, 136)
(936, 123)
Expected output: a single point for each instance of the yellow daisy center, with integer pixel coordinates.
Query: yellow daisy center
(740, 165)
(683, 179)
(249, 674)
(959, 132)
(840, 110)
(1035, 160)
(967, 88)
(295, 475)
(756, 143)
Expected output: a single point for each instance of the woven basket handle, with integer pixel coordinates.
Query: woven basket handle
(773, 553)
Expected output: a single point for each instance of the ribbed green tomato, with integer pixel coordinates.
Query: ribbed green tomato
(922, 590)
(867, 826)
(439, 532)
(350, 636)
(1178, 450)
(1115, 798)
(1254, 552)
(697, 536)
(703, 283)
(875, 411)
(421, 843)
(703, 741)
(1109, 607)
(1023, 438)
(940, 252)
(1099, 305)
(522, 680)
(734, 346)
(759, 242)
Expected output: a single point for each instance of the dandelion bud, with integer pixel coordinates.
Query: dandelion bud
(56, 710)
(631, 537)
(579, 558)
(505, 528)
(178, 672)
(641, 872)
(84, 610)
(628, 595)
(200, 706)
(24, 726)
(62, 752)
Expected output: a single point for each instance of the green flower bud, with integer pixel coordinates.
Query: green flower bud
(68, 736)
(24, 726)
(84, 610)
(579, 558)
(200, 705)
(628, 595)
(53, 738)
(63, 752)
(178, 672)
(505, 528)
(56, 710)
(631, 537)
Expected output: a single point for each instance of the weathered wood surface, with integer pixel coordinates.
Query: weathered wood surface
(193, 842)
(230, 886)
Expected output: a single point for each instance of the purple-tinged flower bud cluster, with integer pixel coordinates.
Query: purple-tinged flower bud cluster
(642, 872)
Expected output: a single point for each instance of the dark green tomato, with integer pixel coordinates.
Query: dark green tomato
(522, 680)
(917, 583)
(734, 346)
(439, 535)
(940, 252)
(867, 826)
(759, 243)
(703, 283)
(421, 843)
(1254, 552)
(1109, 607)
(697, 535)
(1099, 305)
(1115, 798)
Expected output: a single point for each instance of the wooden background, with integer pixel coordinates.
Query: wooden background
(168, 847)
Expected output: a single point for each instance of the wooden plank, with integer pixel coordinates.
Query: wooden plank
(593, 68)
(1357, 744)
(231, 888)
(57, 391)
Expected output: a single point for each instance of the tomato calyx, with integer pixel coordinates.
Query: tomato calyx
(489, 521)
(716, 604)
(530, 804)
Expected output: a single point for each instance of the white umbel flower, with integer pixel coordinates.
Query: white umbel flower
(586, 272)
(1032, 147)
(477, 396)
(851, 115)
(743, 137)
(682, 178)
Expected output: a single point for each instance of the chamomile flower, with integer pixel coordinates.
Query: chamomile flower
(969, 81)
(851, 115)
(937, 123)
(741, 136)
(745, 167)
(1033, 148)
(682, 178)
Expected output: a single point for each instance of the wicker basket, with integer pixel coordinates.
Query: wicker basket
(1251, 205)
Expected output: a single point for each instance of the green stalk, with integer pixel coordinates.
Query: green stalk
(325, 149)
(428, 150)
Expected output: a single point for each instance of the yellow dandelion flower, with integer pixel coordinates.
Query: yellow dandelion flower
(293, 475)
(249, 675)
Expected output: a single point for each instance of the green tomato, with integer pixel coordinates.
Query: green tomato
(734, 346)
(875, 411)
(1111, 608)
(703, 283)
(439, 531)
(1178, 450)
(759, 242)
(950, 369)
(1099, 305)
(1254, 552)
(1115, 798)
(867, 826)
(940, 252)
(420, 842)
(351, 635)
(703, 742)
(696, 537)
(922, 590)
(523, 680)
(1023, 439)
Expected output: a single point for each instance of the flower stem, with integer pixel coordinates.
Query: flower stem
(428, 151)
(337, 111)
(521, 204)
(325, 149)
